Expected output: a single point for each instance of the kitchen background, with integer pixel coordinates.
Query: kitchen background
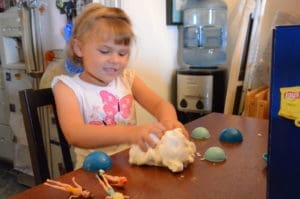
(156, 56)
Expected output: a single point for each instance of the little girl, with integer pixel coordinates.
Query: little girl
(96, 107)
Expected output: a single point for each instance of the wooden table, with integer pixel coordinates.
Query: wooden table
(241, 176)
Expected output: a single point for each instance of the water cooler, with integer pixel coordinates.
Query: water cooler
(201, 84)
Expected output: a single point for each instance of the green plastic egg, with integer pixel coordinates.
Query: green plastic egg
(265, 157)
(200, 133)
(215, 154)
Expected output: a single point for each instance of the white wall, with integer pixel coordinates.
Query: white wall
(155, 52)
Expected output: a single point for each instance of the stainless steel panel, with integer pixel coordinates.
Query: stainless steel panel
(6, 143)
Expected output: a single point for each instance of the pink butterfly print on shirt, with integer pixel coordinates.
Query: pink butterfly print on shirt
(97, 123)
(113, 105)
(94, 117)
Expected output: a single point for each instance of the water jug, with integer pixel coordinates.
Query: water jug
(204, 33)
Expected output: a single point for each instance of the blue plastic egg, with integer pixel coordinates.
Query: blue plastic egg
(231, 135)
(96, 160)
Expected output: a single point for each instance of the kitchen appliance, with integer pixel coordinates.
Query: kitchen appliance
(200, 90)
(17, 62)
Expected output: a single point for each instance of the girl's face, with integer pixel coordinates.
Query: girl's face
(102, 61)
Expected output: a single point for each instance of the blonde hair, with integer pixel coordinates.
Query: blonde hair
(115, 24)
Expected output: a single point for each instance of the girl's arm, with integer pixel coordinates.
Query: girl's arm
(90, 136)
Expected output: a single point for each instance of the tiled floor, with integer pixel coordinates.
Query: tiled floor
(8, 181)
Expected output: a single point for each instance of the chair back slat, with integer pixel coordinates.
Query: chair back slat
(31, 100)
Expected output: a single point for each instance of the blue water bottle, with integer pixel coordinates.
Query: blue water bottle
(204, 33)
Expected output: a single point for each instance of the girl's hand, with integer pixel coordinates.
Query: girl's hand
(173, 124)
(143, 135)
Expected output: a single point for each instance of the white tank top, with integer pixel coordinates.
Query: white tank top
(103, 105)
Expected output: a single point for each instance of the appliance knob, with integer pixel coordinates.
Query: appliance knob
(199, 105)
(183, 103)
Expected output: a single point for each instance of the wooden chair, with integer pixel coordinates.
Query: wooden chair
(31, 100)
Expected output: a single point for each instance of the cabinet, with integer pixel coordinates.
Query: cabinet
(284, 136)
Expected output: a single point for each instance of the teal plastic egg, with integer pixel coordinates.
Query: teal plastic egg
(96, 160)
(231, 135)
(265, 157)
(215, 154)
(200, 133)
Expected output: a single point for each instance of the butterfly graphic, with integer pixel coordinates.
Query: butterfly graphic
(112, 105)
(95, 118)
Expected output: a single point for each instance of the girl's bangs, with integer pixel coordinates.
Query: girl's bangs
(114, 30)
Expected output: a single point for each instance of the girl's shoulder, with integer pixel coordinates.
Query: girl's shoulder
(67, 79)
(128, 75)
